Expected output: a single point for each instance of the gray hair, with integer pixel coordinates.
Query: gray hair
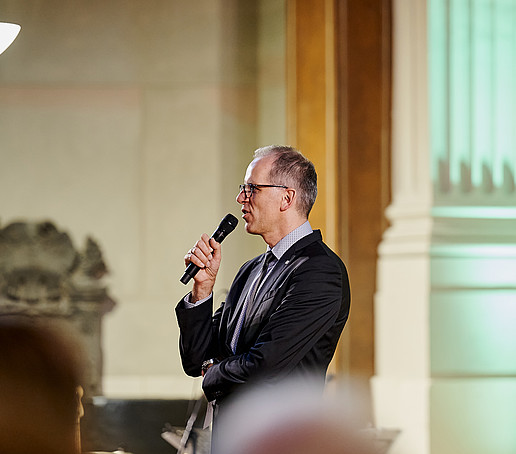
(292, 169)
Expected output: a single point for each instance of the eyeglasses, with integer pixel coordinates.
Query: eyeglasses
(249, 188)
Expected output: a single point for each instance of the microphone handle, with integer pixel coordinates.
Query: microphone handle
(190, 272)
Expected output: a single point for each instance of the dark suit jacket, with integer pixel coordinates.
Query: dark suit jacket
(292, 328)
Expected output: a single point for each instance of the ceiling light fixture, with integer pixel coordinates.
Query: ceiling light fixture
(8, 33)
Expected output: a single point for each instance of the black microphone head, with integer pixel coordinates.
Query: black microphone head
(226, 226)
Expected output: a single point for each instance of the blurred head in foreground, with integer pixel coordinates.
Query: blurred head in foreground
(40, 372)
(293, 418)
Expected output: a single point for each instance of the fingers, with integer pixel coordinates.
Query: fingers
(201, 253)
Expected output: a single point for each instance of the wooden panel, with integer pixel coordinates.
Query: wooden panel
(338, 115)
(311, 101)
(364, 77)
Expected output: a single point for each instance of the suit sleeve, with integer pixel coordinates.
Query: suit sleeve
(308, 309)
(197, 341)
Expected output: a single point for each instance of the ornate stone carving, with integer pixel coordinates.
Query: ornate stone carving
(43, 275)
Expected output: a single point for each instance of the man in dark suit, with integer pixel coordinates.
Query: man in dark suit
(286, 309)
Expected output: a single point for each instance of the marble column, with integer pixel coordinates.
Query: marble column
(446, 299)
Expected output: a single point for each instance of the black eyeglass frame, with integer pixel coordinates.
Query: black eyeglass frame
(253, 186)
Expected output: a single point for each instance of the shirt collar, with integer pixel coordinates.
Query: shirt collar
(289, 240)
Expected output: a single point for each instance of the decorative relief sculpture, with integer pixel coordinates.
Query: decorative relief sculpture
(43, 275)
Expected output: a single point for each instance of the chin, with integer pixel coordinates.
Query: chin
(249, 229)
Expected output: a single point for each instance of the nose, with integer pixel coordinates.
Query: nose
(241, 197)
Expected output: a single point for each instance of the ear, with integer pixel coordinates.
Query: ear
(288, 199)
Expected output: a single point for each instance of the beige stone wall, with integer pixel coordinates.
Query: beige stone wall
(133, 121)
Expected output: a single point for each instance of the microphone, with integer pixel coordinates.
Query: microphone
(226, 226)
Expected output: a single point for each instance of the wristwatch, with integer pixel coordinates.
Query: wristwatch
(207, 364)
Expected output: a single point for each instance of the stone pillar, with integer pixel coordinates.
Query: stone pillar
(402, 378)
(446, 301)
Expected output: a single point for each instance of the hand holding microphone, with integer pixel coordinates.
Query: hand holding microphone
(206, 252)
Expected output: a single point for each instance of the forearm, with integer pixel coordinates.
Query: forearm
(196, 334)
(201, 291)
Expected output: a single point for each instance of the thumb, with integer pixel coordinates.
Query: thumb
(217, 249)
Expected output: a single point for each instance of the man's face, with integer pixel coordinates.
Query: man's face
(262, 209)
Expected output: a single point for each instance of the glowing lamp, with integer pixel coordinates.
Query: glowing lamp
(8, 33)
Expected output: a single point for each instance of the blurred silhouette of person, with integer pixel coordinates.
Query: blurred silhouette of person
(40, 388)
(294, 418)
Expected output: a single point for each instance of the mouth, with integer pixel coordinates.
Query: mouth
(244, 213)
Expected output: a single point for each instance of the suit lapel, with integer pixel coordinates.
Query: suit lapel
(281, 266)
(243, 295)
(267, 285)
